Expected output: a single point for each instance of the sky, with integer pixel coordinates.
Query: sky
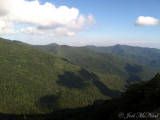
(82, 22)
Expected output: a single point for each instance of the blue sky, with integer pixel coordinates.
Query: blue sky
(115, 24)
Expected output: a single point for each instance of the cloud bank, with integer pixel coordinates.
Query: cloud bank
(147, 21)
(42, 19)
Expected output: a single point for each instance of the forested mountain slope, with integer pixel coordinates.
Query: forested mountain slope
(129, 70)
(140, 101)
(145, 56)
(34, 81)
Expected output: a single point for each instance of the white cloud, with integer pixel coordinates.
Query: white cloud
(46, 16)
(6, 27)
(31, 30)
(81, 21)
(63, 32)
(147, 21)
(82, 42)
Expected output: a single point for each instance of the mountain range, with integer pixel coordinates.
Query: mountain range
(145, 56)
(100, 60)
(40, 79)
(34, 81)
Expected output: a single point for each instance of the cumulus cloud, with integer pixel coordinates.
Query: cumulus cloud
(7, 27)
(63, 32)
(82, 21)
(45, 17)
(31, 30)
(147, 21)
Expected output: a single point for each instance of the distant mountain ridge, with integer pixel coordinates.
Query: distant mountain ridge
(103, 62)
(145, 56)
(52, 44)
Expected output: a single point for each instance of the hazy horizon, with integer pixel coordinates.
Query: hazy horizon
(80, 23)
(109, 45)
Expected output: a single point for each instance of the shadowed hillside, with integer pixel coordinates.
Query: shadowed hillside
(129, 70)
(141, 99)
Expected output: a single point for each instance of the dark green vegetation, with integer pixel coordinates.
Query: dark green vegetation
(141, 97)
(19, 42)
(56, 81)
(130, 70)
(146, 56)
(33, 81)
